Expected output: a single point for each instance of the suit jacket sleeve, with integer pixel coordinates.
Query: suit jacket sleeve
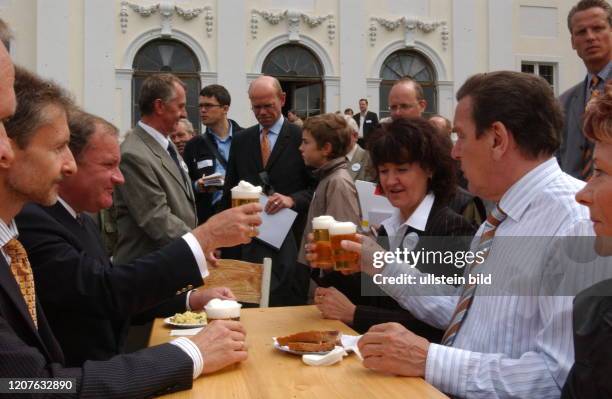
(152, 371)
(231, 174)
(73, 279)
(147, 202)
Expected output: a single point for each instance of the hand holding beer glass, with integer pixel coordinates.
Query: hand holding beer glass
(246, 193)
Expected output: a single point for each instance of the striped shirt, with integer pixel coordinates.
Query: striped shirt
(509, 345)
(7, 233)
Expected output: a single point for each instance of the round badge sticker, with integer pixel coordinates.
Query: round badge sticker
(410, 241)
(355, 167)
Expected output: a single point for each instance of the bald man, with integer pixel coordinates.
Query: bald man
(267, 154)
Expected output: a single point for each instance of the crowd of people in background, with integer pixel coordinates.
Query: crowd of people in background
(514, 162)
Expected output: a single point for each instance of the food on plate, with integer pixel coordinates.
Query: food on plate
(189, 318)
(311, 341)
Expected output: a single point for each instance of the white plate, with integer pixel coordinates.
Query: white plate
(286, 349)
(168, 320)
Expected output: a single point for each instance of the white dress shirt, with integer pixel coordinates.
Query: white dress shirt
(396, 226)
(509, 345)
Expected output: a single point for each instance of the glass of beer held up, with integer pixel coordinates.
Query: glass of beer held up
(245, 193)
(320, 230)
(343, 260)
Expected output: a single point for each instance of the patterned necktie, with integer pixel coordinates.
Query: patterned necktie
(21, 269)
(495, 218)
(174, 157)
(586, 160)
(265, 146)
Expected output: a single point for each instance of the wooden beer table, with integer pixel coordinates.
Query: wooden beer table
(269, 373)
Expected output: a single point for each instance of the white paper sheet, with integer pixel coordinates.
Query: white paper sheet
(374, 208)
(274, 228)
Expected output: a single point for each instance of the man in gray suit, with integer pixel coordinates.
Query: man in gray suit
(590, 24)
(156, 204)
(359, 162)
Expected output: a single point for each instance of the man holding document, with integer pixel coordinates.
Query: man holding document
(268, 155)
(206, 155)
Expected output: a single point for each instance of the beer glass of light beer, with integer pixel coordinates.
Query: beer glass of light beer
(343, 260)
(320, 230)
(246, 193)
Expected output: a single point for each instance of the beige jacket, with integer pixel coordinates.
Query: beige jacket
(335, 195)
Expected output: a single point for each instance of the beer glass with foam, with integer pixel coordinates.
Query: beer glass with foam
(245, 193)
(343, 260)
(320, 230)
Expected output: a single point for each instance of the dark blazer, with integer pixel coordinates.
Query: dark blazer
(573, 142)
(26, 351)
(287, 175)
(377, 307)
(590, 374)
(88, 300)
(197, 151)
(370, 122)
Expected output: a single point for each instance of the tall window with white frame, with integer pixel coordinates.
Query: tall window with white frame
(410, 63)
(168, 56)
(546, 70)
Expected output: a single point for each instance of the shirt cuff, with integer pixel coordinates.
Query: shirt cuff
(193, 352)
(198, 254)
(187, 307)
(447, 369)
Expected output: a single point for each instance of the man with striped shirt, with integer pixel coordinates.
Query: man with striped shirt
(502, 339)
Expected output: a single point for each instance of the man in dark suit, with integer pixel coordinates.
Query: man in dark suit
(366, 121)
(156, 205)
(268, 155)
(33, 161)
(590, 25)
(88, 300)
(208, 153)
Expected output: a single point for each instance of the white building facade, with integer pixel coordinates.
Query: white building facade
(327, 54)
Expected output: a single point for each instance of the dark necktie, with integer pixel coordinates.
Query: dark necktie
(174, 156)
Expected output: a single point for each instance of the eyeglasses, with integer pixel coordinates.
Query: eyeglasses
(208, 106)
(401, 107)
(266, 107)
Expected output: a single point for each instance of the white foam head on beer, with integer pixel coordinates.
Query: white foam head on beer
(222, 309)
(341, 228)
(244, 189)
(322, 222)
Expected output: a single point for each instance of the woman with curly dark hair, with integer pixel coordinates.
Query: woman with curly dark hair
(417, 174)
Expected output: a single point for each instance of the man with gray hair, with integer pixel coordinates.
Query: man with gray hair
(359, 162)
(87, 299)
(37, 163)
(157, 204)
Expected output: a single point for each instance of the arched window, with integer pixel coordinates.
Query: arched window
(408, 63)
(171, 56)
(301, 76)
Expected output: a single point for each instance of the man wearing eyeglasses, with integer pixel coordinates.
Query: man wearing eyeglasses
(406, 99)
(267, 154)
(208, 154)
